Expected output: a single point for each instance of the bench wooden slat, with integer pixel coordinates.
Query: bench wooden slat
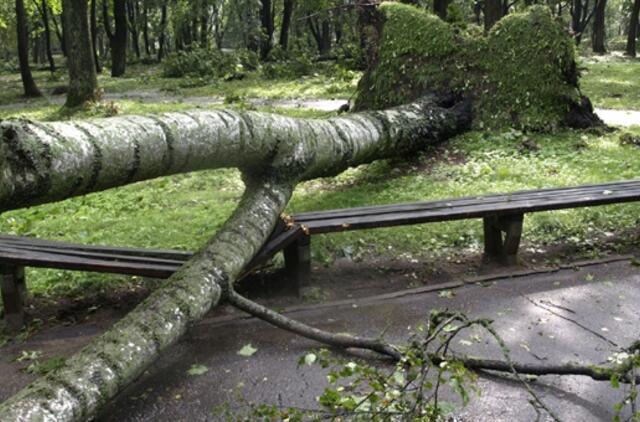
(97, 255)
(154, 253)
(17, 256)
(614, 187)
(465, 212)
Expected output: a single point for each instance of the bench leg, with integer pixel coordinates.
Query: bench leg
(512, 227)
(497, 248)
(492, 239)
(14, 292)
(297, 261)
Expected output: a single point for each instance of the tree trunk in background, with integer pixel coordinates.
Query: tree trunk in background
(325, 39)
(282, 151)
(204, 25)
(94, 36)
(35, 49)
(145, 30)
(59, 34)
(119, 40)
(440, 8)
(162, 39)
(47, 34)
(632, 35)
(133, 26)
(28, 84)
(267, 27)
(83, 83)
(492, 13)
(287, 14)
(598, 32)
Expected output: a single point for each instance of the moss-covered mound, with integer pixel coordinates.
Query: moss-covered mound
(523, 73)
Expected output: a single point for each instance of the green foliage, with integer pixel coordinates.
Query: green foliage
(521, 74)
(288, 68)
(209, 63)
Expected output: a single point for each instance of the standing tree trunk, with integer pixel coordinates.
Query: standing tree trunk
(598, 33)
(94, 36)
(59, 34)
(492, 13)
(287, 14)
(28, 84)
(440, 8)
(133, 26)
(83, 83)
(267, 28)
(44, 11)
(204, 25)
(145, 30)
(117, 39)
(632, 35)
(282, 151)
(162, 39)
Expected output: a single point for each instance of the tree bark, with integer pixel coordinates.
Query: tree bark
(598, 32)
(632, 35)
(83, 83)
(94, 36)
(44, 12)
(132, 11)
(28, 84)
(145, 30)
(267, 27)
(273, 152)
(162, 39)
(59, 34)
(440, 8)
(287, 14)
(118, 37)
(492, 13)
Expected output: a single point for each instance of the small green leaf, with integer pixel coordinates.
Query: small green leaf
(310, 358)
(615, 383)
(196, 370)
(247, 350)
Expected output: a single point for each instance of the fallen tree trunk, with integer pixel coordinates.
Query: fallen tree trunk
(43, 162)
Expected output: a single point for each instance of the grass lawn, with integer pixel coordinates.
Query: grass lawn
(612, 82)
(183, 211)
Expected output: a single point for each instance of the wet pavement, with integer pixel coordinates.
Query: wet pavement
(529, 312)
(575, 314)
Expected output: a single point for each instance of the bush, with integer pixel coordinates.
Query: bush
(618, 43)
(295, 67)
(206, 63)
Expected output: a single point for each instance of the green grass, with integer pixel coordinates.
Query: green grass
(612, 82)
(183, 211)
(165, 94)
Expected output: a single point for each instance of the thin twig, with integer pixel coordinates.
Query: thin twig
(344, 341)
(571, 320)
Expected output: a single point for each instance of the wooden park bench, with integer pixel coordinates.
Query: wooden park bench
(502, 215)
